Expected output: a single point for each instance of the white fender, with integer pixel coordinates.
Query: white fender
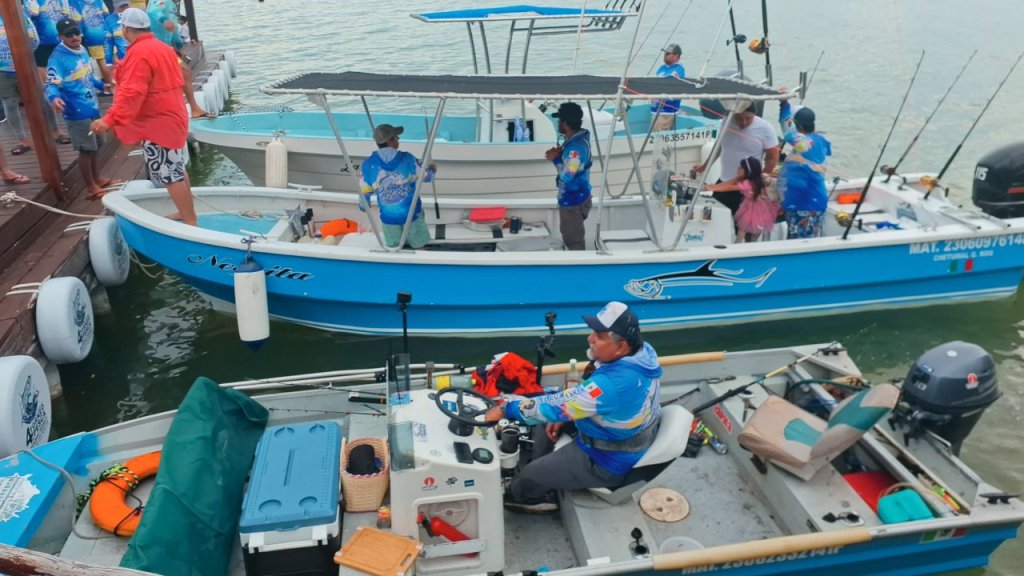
(25, 413)
(212, 95)
(226, 69)
(222, 81)
(64, 323)
(229, 56)
(108, 252)
(200, 96)
(251, 303)
(277, 164)
(138, 185)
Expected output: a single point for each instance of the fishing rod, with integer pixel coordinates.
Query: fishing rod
(871, 175)
(764, 41)
(736, 40)
(679, 21)
(833, 347)
(889, 171)
(807, 85)
(433, 179)
(935, 183)
(714, 43)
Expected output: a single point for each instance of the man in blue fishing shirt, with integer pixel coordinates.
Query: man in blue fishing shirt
(801, 182)
(665, 111)
(391, 174)
(115, 44)
(90, 16)
(71, 89)
(45, 15)
(572, 160)
(616, 412)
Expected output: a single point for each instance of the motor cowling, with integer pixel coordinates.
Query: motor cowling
(999, 182)
(948, 389)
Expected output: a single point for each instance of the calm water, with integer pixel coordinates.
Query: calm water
(160, 335)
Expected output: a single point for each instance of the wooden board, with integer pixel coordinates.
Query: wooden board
(378, 552)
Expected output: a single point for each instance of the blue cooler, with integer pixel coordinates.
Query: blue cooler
(290, 516)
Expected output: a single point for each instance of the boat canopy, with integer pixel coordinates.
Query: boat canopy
(519, 12)
(579, 87)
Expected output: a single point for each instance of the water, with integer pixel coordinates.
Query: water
(160, 335)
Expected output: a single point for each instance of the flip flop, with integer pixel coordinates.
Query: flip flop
(203, 116)
(19, 179)
(20, 149)
(96, 195)
(111, 182)
(62, 140)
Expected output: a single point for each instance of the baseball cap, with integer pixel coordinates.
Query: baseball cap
(804, 118)
(65, 25)
(617, 318)
(135, 18)
(119, 3)
(569, 111)
(384, 132)
(673, 49)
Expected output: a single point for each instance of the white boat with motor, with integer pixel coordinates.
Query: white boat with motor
(815, 471)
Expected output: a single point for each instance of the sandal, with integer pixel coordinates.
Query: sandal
(20, 149)
(203, 116)
(62, 140)
(19, 179)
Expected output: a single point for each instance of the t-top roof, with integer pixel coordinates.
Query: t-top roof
(516, 12)
(579, 87)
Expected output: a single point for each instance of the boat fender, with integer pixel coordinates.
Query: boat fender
(251, 303)
(229, 57)
(226, 69)
(64, 321)
(213, 97)
(138, 185)
(277, 163)
(24, 405)
(108, 503)
(201, 99)
(108, 252)
(339, 227)
(222, 81)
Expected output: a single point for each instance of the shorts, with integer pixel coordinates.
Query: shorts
(97, 52)
(419, 234)
(8, 86)
(81, 139)
(165, 165)
(42, 54)
(804, 223)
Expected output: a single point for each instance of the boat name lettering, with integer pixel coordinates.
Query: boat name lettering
(773, 559)
(681, 136)
(228, 266)
(942, 246)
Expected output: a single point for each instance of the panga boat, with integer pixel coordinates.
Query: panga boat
(815, 472)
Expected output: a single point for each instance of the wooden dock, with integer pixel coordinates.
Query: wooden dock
(33, 243)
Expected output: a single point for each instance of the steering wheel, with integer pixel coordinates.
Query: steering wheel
(465, 415)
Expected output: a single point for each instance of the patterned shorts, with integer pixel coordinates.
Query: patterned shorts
(804, 223)
(166, 166)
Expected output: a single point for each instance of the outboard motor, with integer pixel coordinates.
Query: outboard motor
(999, 182)
(947, 390)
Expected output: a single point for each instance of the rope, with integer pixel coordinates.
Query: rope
(145, 267)
(11, 197)
(77, 497)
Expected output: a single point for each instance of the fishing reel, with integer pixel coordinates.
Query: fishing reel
(758, 45)
(737, 39)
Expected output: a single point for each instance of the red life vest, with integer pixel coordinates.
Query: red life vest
(512, 374)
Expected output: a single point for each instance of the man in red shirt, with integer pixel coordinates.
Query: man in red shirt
(149, 108)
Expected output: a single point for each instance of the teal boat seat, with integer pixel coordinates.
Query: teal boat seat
(802, 443)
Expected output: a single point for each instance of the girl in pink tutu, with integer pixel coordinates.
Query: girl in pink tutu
(756, 215)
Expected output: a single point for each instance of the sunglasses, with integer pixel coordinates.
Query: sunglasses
(71, 33)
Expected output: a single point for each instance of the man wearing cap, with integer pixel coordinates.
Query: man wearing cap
(71, 90)
(115, 44)
(746, 135)
(149, 108)
(665, 111)
(572, 160)
(392, 175)
(45, 15)
(801, 182)
(615, 411)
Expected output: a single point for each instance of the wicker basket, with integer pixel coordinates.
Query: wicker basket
(365, 493)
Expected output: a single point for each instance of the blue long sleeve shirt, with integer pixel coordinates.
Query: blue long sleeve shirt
(617, 402)
(574, 170)
(69, 77)
(391, 173)
(671, 106)
(6, 59)
(45, 15)
(90, 16)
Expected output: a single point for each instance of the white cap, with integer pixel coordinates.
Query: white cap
(135, 18)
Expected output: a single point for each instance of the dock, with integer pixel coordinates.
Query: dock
(34, 245)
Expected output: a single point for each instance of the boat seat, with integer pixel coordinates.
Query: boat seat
(802, 443)
(674, 425)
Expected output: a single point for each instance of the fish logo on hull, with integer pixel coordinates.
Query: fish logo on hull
(653, 287)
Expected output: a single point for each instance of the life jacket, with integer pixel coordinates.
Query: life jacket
(510, 373)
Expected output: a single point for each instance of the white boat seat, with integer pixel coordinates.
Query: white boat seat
(668, 445)
(802, 443)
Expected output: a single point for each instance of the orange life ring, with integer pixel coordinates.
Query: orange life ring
(339, 227)
(108, 504)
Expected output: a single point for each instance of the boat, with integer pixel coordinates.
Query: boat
(892, 497)
(494, 149)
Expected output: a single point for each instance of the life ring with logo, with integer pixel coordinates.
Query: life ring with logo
(109, 503)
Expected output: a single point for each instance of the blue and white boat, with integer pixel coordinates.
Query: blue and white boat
(869, 504)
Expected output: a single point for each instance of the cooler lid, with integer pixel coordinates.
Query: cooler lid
(294, 479)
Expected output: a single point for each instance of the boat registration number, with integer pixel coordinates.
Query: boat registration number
(688, 136)
(962, 244)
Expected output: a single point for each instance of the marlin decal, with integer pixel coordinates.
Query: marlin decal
(651, 288)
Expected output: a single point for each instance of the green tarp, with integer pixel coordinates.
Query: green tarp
(190, 523)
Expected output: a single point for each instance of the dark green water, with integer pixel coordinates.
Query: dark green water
(160, 335)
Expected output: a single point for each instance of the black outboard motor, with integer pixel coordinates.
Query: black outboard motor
(947, 390)
(999, 182)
